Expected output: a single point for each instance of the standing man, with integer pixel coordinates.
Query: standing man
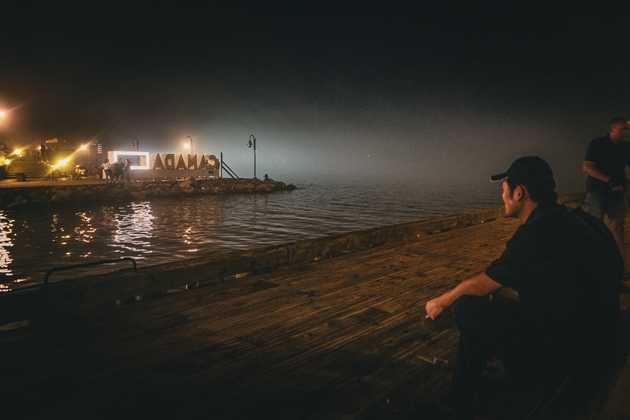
(107, 170)
(127, 171)
(566, 269)
(605, 166)
(43, 151)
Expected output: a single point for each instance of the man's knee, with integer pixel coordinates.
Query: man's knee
(469, 309)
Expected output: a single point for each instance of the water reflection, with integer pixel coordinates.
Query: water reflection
(85, 231)
(133, 229)
(60, 237)
(165, 230)
(6, 232)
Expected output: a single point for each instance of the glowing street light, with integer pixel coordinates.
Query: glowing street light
(83, 147)
(189, 144)
(4, 117)
(61, 163)
(17, 152)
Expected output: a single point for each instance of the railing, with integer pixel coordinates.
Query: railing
(225, 167)
(88, 264)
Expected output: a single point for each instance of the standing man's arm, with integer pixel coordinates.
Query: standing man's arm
(590, 169)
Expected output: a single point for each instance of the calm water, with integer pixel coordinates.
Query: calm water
(163, 230)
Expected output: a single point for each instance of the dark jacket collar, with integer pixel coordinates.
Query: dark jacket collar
(540, 212)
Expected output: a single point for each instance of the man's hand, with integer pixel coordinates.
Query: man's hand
(434, 307)
(615, 186)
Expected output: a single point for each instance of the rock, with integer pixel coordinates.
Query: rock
(187, 185)
(17, 201)
(265, 188)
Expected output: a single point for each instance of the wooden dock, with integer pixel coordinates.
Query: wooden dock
(338, 338)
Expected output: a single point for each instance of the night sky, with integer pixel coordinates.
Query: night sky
(430, 94)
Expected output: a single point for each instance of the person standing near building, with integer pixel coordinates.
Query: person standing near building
(117, 170)
(605, 166)
(43, 151)
(107, 170)
(127, 170)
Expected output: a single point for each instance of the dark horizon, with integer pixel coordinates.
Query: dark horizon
(431, 94)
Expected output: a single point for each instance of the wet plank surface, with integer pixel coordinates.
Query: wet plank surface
(342, 338)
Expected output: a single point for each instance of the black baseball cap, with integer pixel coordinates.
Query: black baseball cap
(531, 171)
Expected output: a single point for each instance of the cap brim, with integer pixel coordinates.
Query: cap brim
(498, 177)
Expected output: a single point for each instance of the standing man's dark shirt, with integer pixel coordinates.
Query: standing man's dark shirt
(567, 270)
(610, 158)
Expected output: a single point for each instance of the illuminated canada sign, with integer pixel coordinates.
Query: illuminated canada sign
(178, 162)
(167, 165)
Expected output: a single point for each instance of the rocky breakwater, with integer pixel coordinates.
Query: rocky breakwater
(58, 193)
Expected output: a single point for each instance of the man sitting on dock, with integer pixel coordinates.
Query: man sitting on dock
(565, 266)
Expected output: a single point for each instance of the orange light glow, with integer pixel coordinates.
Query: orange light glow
(61, 163)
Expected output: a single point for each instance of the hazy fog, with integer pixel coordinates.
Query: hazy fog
(424, 96)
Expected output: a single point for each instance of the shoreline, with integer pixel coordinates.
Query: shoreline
(18, 194)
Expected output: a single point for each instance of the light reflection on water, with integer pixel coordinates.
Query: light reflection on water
(6, 230)
(169, 229)
(133, 229)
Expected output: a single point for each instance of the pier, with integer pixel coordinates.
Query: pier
(324, 329)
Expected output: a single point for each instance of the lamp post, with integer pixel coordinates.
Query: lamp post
(252, 144)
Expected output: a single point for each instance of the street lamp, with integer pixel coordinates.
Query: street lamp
(4, 118)
(61, 163)
(252, 144)
(83, 147)
(189, 145)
